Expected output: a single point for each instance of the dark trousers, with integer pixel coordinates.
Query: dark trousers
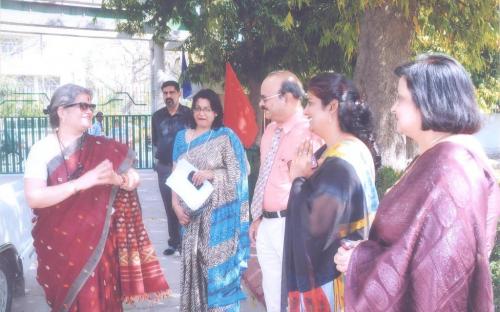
(163, 172)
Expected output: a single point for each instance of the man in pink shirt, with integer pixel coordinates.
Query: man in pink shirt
(280, 95)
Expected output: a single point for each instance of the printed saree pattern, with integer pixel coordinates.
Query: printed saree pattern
(77, 240)
(215, 243)
(337, 201)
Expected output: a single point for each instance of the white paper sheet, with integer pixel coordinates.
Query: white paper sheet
(178, 181)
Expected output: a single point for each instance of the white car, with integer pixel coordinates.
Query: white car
(16, 242)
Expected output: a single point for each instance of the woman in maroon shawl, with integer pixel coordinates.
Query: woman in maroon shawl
(429, 244)
(93, 251)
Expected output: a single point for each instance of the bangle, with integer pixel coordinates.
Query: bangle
(124, 180)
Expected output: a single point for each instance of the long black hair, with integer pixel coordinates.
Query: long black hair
(355, 116)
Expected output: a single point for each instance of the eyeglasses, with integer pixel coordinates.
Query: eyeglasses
(267, 98)
(83, 106)
(198, 109)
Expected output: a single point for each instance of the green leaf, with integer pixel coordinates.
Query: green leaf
(288, 22)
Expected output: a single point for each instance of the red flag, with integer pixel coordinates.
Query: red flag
(239, 114)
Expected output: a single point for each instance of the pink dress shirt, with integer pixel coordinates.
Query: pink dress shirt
(295, 131)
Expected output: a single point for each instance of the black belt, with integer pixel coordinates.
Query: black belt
(165, 164)
(274, 214)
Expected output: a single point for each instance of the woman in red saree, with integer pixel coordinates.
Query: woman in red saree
(430, 241)
(92, 248)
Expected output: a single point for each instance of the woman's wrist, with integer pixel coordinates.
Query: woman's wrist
(124, 180)
(177, 209)
(73, 187)
(295, 174)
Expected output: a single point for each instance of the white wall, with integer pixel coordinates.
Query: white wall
(489, 136)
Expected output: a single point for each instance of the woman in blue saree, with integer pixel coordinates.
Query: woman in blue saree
(215, 245)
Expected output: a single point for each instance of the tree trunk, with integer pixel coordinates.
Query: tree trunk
(384, 43)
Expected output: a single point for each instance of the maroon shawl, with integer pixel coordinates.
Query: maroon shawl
(428, 244)
(70, 237)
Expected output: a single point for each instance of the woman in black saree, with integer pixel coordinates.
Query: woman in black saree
(333, 202)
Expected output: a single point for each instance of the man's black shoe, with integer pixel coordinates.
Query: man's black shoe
(169, 251)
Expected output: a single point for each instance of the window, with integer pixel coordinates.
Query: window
(48, 83)
(10, 46)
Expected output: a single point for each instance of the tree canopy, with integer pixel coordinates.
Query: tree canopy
(308, 36)
(467, 30)
(362, 38)
(254, 36)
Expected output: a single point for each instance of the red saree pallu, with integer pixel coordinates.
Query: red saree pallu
(93, 250)
(140, 272)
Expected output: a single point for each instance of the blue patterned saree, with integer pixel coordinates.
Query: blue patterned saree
(215, 243)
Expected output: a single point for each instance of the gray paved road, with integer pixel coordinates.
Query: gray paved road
(156, 224)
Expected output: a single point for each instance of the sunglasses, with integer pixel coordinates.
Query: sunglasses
(83, 106)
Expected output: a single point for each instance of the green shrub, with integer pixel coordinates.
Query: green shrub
(495, 271)
(386, 177)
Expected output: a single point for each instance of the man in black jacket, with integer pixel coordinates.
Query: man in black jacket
(166, 122)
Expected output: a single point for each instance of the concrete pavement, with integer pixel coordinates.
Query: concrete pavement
(156, 224)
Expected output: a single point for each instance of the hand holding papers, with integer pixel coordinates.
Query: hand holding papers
(179, 181)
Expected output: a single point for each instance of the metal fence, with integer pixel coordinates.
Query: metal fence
(135, 131)
(22, 122)
(127, 119)
(18, 134)
(30, 103)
